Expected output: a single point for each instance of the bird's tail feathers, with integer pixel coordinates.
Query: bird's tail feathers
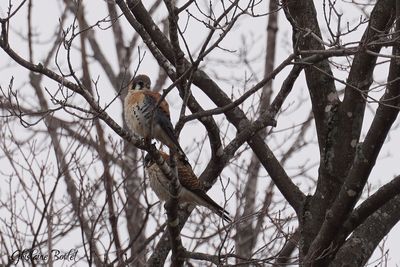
(212, 205)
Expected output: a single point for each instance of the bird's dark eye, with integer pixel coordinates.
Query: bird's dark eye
(141, 84)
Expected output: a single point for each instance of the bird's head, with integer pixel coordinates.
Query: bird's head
(140, 82)
(148, 160)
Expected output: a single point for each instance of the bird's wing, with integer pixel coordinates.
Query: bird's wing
(163, 107)
(190, 181)
(187, 178)
(164, 119)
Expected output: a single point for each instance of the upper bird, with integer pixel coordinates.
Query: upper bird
(140, 102)
(192, 189)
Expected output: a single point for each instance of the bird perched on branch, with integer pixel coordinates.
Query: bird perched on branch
(147, 116)
(192, 189)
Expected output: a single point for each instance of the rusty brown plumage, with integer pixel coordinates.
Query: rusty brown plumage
(148, 116)
(192, 191)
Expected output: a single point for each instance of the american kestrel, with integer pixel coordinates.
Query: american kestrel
(192, 189)
(140, 102)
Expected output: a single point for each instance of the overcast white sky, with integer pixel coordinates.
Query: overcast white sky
(47, 12)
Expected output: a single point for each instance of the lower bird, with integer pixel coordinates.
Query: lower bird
(192, 189)
(148, 116)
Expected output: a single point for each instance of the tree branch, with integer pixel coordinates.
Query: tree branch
(364, 161)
